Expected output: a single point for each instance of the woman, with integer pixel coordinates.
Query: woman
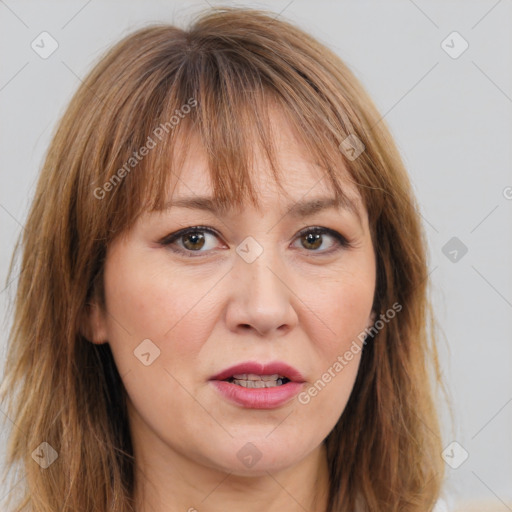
(223, 301)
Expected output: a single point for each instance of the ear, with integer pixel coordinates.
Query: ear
(93, 324)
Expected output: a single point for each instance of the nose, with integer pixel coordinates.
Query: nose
(261, 297)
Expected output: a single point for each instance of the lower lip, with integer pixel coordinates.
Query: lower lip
(258, 398)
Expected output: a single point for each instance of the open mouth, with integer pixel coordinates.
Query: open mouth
(251, 380)
(258, 385)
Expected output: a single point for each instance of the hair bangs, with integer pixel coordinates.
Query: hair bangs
(233, 99)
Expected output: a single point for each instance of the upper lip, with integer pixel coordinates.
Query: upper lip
(254, 367)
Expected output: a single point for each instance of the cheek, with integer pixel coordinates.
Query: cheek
(175, 312)
(338, 350)
(343, 306)
(147, 301)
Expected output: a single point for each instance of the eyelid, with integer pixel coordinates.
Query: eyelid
(167, 239)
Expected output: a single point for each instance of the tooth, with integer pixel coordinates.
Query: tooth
(258, 383)
(268, 378)
(254, 377)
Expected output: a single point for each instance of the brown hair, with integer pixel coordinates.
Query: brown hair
(384, 452)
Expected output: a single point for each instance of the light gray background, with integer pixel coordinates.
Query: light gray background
(451, 118)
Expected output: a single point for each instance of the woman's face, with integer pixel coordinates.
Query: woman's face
(251, 290)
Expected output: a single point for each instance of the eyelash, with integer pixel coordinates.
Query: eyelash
(168, 240)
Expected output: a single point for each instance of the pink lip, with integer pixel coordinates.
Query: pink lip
(261, 398)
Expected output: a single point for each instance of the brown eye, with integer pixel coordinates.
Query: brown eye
(193, 241)
(313, 238)
(190, 240)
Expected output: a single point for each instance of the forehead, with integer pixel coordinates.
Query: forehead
(304, 187)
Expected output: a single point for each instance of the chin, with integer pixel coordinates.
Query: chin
(259, 456)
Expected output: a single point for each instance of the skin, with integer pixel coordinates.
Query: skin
(209, 312)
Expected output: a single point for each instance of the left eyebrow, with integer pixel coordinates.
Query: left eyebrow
(306, 208)
(298, 209)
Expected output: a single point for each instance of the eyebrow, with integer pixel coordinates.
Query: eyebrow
(298, 209)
